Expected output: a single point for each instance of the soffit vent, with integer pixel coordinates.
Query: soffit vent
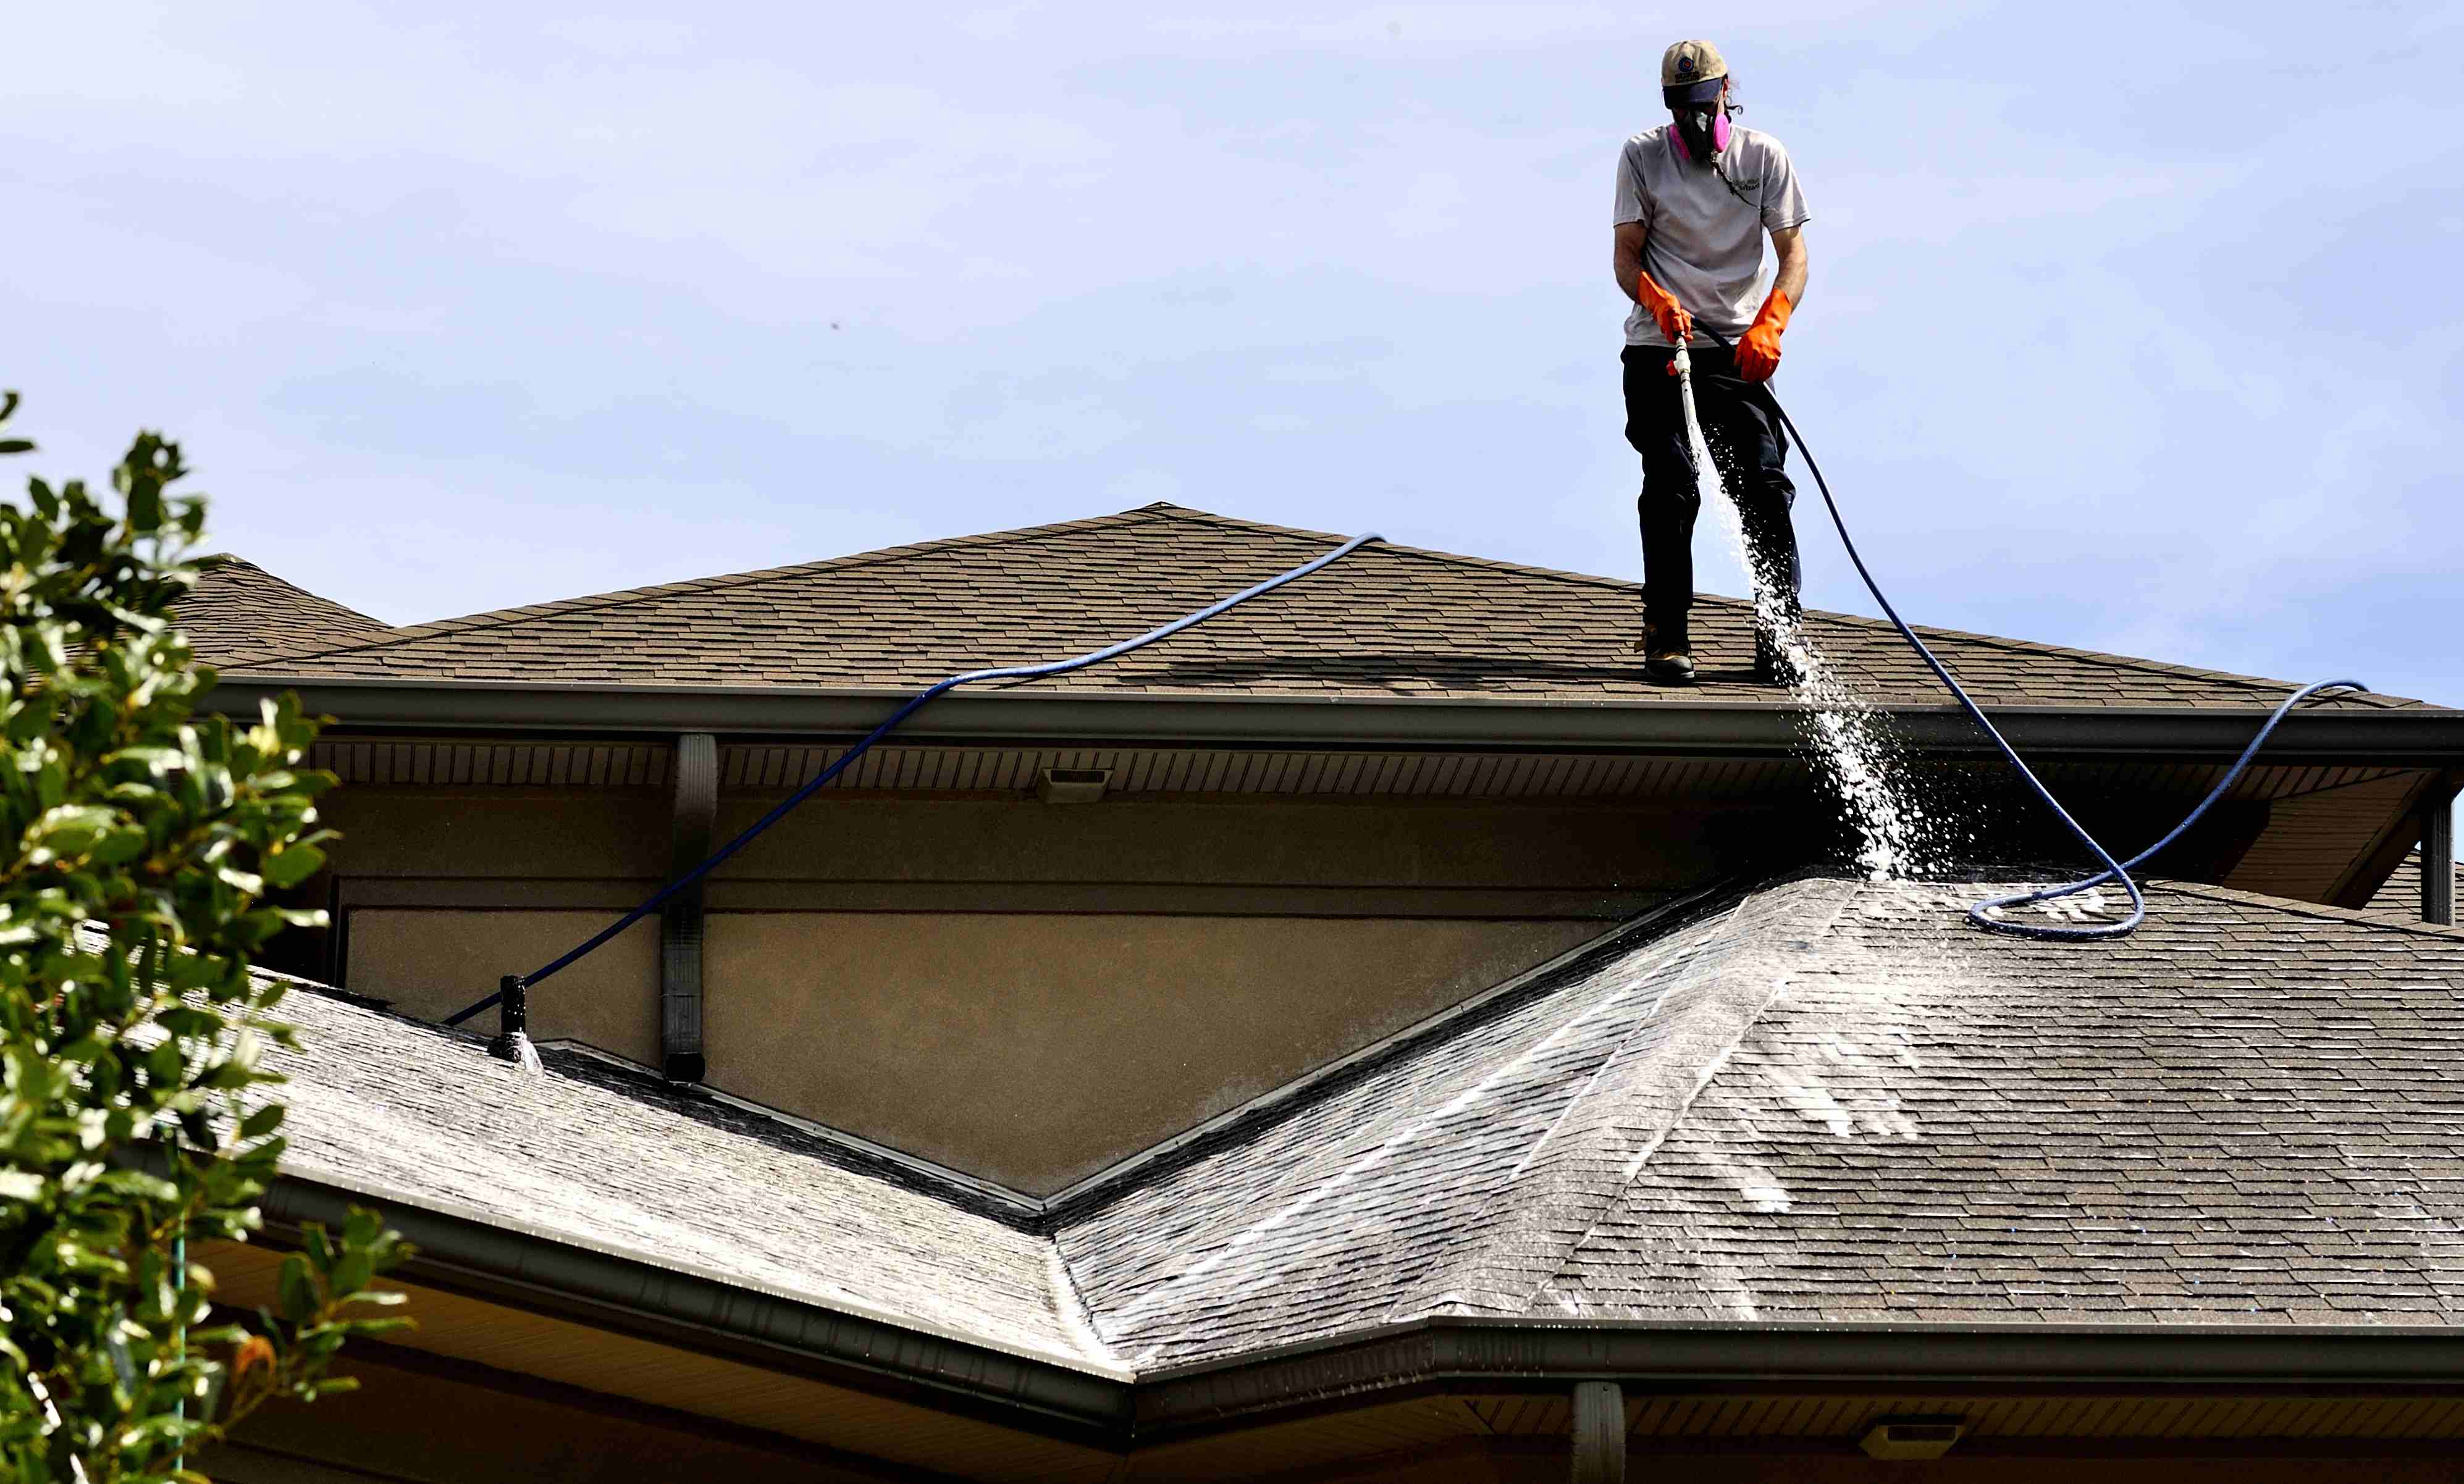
(1910, 1438)
(1072, 785)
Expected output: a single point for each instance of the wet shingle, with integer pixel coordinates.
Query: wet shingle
(1818, 1099)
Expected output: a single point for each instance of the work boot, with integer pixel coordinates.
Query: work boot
(1666, 655)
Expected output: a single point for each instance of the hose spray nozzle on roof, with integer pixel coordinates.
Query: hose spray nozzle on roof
(513, 1042)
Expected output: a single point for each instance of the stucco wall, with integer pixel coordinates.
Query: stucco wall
(433, 962)
(1035, 1049)
(1027, 991)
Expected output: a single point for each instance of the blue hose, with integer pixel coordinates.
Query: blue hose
(1981, 913)
(915, 704)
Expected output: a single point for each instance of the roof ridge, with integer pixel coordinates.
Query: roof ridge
(2138, 663)
(505, 617)
(1425, 553)
(2105, 658)
(572, 632)
(2293, 906)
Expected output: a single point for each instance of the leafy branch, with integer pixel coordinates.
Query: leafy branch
(144, 849)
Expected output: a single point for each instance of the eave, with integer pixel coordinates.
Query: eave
(1741, 1356)
(637, 1296)
(2410, 736)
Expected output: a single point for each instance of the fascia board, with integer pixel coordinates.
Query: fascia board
(2417, 736)
(534, 1270)
(1506, 1354)
(637, 1293)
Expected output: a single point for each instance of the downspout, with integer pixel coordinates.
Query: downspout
(2438, 855)
(681, 919)
(1600, 1432)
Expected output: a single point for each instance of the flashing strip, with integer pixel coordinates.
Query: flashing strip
(1129, 1165)
(917, 1165)
(1310, 1080)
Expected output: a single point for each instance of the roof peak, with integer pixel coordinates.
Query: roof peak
(1392, 619)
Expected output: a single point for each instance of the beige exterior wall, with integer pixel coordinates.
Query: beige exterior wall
(1036, 1048)
(1022, 990)
(430, 963)
(521, 833)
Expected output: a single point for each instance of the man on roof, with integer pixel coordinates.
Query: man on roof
(1694, 199)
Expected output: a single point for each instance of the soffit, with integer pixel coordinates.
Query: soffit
(407, 761)
(715, 1387)
(514, 1343)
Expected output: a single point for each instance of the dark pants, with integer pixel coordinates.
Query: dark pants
(1748, 446)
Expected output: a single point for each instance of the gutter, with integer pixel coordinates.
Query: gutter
(2407, 736)
(632, 1295)
(1120, 1411)
(1524, 1355)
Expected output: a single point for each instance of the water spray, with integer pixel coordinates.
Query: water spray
(1988, 914)
(1849, 741)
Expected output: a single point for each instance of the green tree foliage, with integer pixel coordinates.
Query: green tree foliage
(141, 846)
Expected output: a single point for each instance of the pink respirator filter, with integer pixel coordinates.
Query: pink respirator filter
(1719, 137)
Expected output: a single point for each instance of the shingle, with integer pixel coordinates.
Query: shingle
(607, 1158)
(1816, 1100)
(1388, 621)
(2399, 899)
(238, 610)
(1922, 1122)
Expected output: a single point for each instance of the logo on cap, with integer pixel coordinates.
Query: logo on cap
(1685, 67)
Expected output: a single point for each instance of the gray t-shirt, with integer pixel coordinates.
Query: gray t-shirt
(1705, 246)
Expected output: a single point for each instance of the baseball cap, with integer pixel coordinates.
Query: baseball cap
(1691, 66)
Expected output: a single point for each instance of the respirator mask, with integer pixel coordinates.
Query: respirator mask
(1701, 118)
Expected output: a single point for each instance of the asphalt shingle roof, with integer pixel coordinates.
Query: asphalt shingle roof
(2247, 1114)
(1835, 1101)
(1819, 1100)
(238, 610)
(600, 1158)
(1389, 621)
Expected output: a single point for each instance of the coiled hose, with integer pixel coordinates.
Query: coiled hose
(1983, 913)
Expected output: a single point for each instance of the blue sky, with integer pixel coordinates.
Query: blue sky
(2130, 328)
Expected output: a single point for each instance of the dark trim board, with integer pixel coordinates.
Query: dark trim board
(1506, 1355)
(1457, 1355)
(2411, 736)
(631, 1297)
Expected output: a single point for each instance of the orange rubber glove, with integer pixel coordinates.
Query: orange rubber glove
(1758, 349)
(1666, 312)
